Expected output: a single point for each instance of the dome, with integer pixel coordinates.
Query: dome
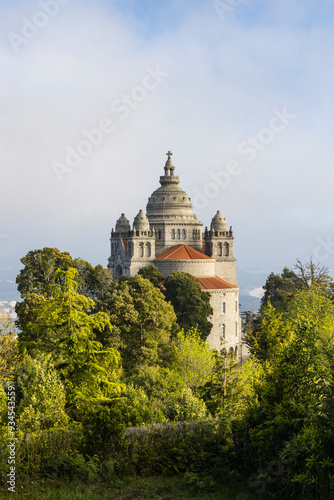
(122, 225)
(169, 200)
(218, 222)
(141, 222)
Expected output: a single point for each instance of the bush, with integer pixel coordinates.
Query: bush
(201, 450)
(43, 453)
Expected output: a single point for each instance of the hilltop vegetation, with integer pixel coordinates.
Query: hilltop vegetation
(113, 379)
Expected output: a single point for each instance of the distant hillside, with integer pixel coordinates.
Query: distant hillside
(248, 303)
(8, 288)
(251, 282)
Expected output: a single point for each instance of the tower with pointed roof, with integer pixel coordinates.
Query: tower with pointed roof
(171, 237)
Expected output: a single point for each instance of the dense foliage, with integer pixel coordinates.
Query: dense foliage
(191, 305)
(107, 384)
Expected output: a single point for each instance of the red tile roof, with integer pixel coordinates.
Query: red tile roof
(182, 252)
(214, 283)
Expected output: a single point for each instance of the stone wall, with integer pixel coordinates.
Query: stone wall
(227, 270)
(228, 336)
(199, 268)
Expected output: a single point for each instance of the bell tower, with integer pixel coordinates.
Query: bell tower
(219, 245)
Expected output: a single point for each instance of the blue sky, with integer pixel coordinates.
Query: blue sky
(225, 79)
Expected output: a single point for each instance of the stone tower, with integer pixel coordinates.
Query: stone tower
(219, 245)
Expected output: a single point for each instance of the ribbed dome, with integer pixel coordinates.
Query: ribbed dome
(218, 222)
(122, 225)
(141, 222)
(169, 199)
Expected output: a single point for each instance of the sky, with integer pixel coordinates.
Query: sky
(93, 95)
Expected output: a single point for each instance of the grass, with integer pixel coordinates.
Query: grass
(154, 488)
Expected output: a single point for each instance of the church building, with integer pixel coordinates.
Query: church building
(171, 237)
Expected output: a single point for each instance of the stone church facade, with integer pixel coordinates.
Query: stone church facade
(171, 237)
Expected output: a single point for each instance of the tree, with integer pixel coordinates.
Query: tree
(311, 273)
(313, 303)
(289, 422)
(193, 359)
(93, 282)
(279, 289)
(64, 328)
(143, 320)
(40, 267)
(43, 399)
(191, 305)
(168, 395)
(152, 274)
(265, 341)
(230, 387)
(9, 354)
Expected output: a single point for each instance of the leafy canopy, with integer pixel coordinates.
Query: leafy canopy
(152, 274)
(191, 304)
(193, 358)
(63, 327)
(143, 320)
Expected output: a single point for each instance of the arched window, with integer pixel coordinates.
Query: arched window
(226, 249)
(173, 234)
(194, 234)
(222, 331)
(148, 249)
(184, 234)
(159, 234)
(178, 234)
(129, 249)
(141, 249)
(118, 272)
(236, 328)
(219, 250)
(223, 307)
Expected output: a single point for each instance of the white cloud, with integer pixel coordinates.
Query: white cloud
(257, 292)
(224, 80)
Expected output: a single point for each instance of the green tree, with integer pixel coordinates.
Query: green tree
(279, 289)
(312, 273)
(193, 358)
(64, 328)
(313, 303)
(168, 395)
(93, 282)
(289, 422)
(43, 399)
(222, 391)
(143, 320)
(191, 304)
(9, 354)
(152, 274)
(40, 267)
(265, 341)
